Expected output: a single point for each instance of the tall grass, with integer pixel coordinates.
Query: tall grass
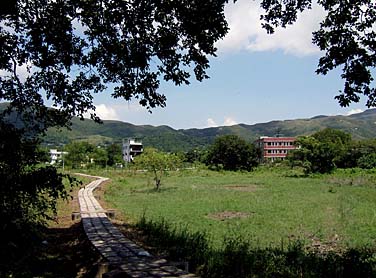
(242, 258)
(295, 225)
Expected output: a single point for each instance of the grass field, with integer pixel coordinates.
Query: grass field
(267, 206)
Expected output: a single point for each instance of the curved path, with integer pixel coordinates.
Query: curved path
(124, 256)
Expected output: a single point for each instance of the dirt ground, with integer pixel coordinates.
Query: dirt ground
(244, 188)
(225, 215)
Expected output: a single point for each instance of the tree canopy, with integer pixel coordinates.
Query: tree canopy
(230, 152)
(67, 50)
(329, 148)
(157, 163)
(62, 52)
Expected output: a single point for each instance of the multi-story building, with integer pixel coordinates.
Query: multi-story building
(275, 148)
(131, 148)
(56, 156)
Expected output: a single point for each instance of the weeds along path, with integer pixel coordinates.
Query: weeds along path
(122, 255)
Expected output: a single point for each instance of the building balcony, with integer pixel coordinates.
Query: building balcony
(270, 155)
(279, 147)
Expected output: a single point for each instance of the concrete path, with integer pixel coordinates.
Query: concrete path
(126, 258)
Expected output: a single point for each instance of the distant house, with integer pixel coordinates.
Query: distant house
(56, 156)
(131, 148)
(275, 148)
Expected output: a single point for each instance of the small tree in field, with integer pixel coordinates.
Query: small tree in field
(158, 163)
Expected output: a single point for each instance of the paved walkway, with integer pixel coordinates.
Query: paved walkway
(124, 256)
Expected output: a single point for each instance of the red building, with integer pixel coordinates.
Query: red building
(275, 148)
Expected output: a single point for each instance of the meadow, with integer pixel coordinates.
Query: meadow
(268, 207)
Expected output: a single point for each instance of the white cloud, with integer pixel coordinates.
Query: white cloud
(22, 72)
(246, 32)
(104, 112)
(354, 111)
(229, 121)
(211, 123)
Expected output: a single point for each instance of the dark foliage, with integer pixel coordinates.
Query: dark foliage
(321, 152)
(329, 149)
(67, 51)
(70, 50)
(230, 152)
(59, 252)
(28, 191)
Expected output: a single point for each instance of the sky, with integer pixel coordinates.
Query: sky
(255, 78)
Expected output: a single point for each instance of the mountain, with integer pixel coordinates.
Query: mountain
(360, 126)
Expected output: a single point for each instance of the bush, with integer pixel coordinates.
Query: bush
(367, 161)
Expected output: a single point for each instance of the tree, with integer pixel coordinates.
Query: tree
(158, 163)
(367, 161)
(79, 154)
(28, 191)
(73, 49)
(230, 152)
(337, 141)
(99, 156)
(321, 152)
(114, 153)
(69, 50)
(66, 51)
(314, 156)
(360, 154)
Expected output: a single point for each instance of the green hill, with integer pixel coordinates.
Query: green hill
(360, 126)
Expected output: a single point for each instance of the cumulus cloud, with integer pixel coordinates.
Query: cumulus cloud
(229, 121)
(211, 123)
(354, 111)
(106, 112)
(246, 32)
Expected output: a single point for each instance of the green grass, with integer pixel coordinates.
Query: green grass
(281, 205)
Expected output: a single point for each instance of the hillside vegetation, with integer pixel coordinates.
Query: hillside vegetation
(360, 126)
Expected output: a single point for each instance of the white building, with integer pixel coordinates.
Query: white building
(131, 148)
(56, 156)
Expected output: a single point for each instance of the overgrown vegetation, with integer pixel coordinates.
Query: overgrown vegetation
(328, 149)
(28, 190)
(294, 225)
(240, 257)
(267, 205)
(82, 154)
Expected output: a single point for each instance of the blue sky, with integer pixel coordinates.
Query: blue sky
(255, 78)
